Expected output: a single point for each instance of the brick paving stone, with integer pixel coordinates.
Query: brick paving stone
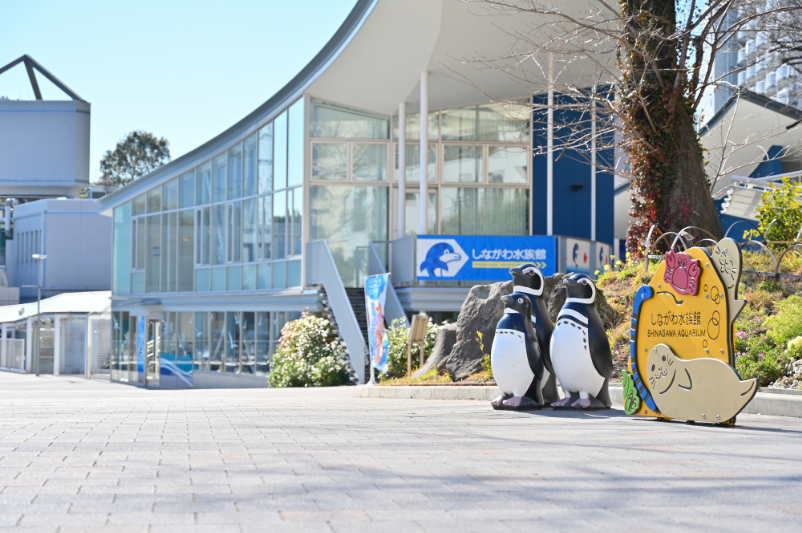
(91, 456)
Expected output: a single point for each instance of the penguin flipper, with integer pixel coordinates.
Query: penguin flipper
(604, 394)
(600, 352)
(550, 392)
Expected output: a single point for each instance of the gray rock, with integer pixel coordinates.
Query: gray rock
(446, 338)
(554, 293)
(481, 311)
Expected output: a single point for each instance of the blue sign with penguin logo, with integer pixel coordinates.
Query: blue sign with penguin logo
(481, 258)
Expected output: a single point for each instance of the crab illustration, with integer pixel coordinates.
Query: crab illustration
(682, 272)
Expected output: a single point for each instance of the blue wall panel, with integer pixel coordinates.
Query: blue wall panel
(571, 180)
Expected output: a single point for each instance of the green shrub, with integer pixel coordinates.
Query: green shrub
(308, 355)
(397, 336)
(782, 204)
(787, 323)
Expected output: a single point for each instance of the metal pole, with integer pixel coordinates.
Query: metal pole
(593, 170)
(424, 152)
(38, 314)
(402, 170)
(550, 151)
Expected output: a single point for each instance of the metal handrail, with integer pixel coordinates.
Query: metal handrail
(322, 270)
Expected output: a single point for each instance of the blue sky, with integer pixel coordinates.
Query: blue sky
(184, 70)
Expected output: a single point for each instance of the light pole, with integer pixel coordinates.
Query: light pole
(39, 258)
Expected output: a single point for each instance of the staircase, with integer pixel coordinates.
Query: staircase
(356, 297)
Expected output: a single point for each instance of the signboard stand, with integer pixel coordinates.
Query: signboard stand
(417, 336)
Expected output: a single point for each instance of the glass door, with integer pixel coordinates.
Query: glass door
(152, 350)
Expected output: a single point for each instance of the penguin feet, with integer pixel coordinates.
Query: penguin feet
(521, 403)
(589, 404)
(498, 403)
(562, 403)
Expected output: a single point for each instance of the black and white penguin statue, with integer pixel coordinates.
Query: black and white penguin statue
(515, 357)
(580, 352)
(529, 280)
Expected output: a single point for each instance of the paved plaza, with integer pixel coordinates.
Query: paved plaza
(79, 455)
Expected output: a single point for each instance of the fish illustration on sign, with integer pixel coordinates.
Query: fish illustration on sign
(681, 350)
(437, 259)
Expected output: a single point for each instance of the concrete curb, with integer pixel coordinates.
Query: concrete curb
(772, 402)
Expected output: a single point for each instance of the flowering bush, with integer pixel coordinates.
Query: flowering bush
(398, 335)
(308, 355)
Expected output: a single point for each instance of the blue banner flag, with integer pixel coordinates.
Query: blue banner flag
(481, 258)
(375, 297)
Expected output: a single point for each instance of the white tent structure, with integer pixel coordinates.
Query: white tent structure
(74, 335)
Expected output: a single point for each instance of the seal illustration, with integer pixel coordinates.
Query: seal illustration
(726, 258)
(529, 280)
(438, 257)
(515, 357)
(580, 351)
(705, 390)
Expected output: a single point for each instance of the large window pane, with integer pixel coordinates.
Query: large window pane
(266, 223)
(186, 193)
(138, 283)
(248, 342)
(493, 122)
(218, 235)
(507, 164)
(337, 121)
(412, 213)
(219, 178)
(262, 344)
(462, 164)
(266, 159)
(234, 232)
(293, 273)
(347, 218)
(295, 146)
(154, 200)
(248, 277)
(485, 211)
(202, 282)
(170, 195)
(249, 166)
(234, 278)
(280, 151)
(232, 347)
(217, 340)
(413, 163)
(138, 205)
(121, 255)
(218, 275)
(153, 259)
(249, 233)
(169, 251)
(279, 225)
(279, 281)
(203, 184)
(413, 126)
(370, 162)
(263, 276)
(200, 328)
(330, 161)
(297, 220)
(235, 172)
(141, 242)
(203, 248)
(185, 247)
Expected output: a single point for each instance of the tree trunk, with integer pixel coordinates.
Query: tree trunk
(687, 200)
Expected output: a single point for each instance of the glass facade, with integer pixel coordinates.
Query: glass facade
(178, 345)
(478, 177)
(207, 229)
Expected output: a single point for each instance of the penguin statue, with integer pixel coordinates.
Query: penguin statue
(529, 280)
(580, 352)
(515, 357)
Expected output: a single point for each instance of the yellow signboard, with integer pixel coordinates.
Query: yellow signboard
(681, 351)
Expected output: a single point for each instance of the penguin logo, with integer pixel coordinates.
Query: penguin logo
(576, 253)
(437, 259)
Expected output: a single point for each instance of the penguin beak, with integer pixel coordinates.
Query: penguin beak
(515, 270)
(506, 300)
(570, 282)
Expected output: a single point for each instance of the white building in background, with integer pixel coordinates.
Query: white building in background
(748, 64)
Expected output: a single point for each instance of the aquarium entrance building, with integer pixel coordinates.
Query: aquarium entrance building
(293, 206)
